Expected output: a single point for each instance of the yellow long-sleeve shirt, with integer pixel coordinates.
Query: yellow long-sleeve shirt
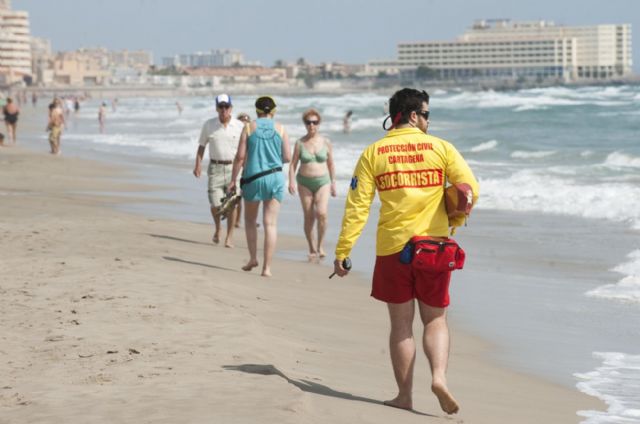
(408, 169)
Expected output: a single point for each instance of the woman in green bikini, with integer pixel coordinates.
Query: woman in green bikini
(315, 180)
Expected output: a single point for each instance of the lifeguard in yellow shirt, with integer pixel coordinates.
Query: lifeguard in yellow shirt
(409, 169)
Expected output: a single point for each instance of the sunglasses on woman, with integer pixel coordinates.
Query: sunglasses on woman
(309, 122)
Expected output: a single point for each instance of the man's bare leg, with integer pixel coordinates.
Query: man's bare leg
(403, 352)
(251, 231)
(435, 341)
(216, 223)
(232, 217)
(239, 213)
(270, 220)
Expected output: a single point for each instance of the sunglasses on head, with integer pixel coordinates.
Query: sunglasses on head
(423, 113)
(309, 122)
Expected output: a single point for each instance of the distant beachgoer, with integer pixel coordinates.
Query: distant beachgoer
(34, 99)
(68, 106)
(408, 169)
(114, 104)
(55, 125)
(11, 112)
(222, 134)
(316, 180)
(264, 147)
(346, 122)
(76, 105)
(1, 139)
(102, 116)
(179, 107)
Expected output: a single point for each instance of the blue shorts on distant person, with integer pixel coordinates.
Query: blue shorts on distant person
(264, 188)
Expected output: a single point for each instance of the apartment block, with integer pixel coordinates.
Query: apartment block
(15, 44)
(505, 49)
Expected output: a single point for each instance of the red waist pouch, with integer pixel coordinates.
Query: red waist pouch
(436, 255)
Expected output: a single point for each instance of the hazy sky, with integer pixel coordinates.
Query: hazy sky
(351, 31)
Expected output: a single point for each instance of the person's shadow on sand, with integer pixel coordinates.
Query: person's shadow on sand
(184, 261)
(306, 385)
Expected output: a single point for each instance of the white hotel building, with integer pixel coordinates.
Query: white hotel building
(509, 50)
(15, 43)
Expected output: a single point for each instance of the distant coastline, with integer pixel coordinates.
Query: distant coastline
(323, 87)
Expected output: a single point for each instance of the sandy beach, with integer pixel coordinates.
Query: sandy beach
(115, 317)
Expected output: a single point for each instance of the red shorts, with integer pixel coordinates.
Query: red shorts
(395, 282)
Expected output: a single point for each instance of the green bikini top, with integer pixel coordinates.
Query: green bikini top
(306, 156)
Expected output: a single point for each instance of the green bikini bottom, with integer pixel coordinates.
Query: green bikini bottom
(313, 183)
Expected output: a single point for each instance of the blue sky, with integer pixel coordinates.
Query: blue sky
(350, 31)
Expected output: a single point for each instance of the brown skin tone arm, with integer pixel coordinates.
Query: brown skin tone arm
(332, 168)
(197, 170)
(292, 169)
(238, 161)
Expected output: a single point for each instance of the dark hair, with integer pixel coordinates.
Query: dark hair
(404, 102)
(265, 105)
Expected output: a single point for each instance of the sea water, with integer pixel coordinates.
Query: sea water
(567, 152)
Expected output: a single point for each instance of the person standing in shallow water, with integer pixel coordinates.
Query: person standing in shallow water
(11, 112)
(102, 116)
(263, 149)
(55, 125)
(346, 122)
(315, 181)
(409, 207)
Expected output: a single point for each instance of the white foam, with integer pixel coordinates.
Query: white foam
(628, 288)
(538, 191)
(540, 98)
(487, 145)
(520, 154)
(617, 159)
(616, 382)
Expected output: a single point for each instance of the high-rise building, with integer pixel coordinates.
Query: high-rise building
(505, 49)
(41, 60)
(15, 43)
(212, 58)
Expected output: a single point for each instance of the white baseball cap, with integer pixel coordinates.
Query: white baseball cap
(223, 99)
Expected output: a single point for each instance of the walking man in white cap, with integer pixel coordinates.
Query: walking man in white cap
(222, 134)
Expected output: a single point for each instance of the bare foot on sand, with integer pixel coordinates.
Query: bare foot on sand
(266, 272)
(447, 402)
(312, 257)
(321, 253)
(249, 266)
(229, 244)
(400, 402)
(216, 238)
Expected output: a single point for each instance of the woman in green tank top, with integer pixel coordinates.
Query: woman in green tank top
(315, 180)
(263, 149)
